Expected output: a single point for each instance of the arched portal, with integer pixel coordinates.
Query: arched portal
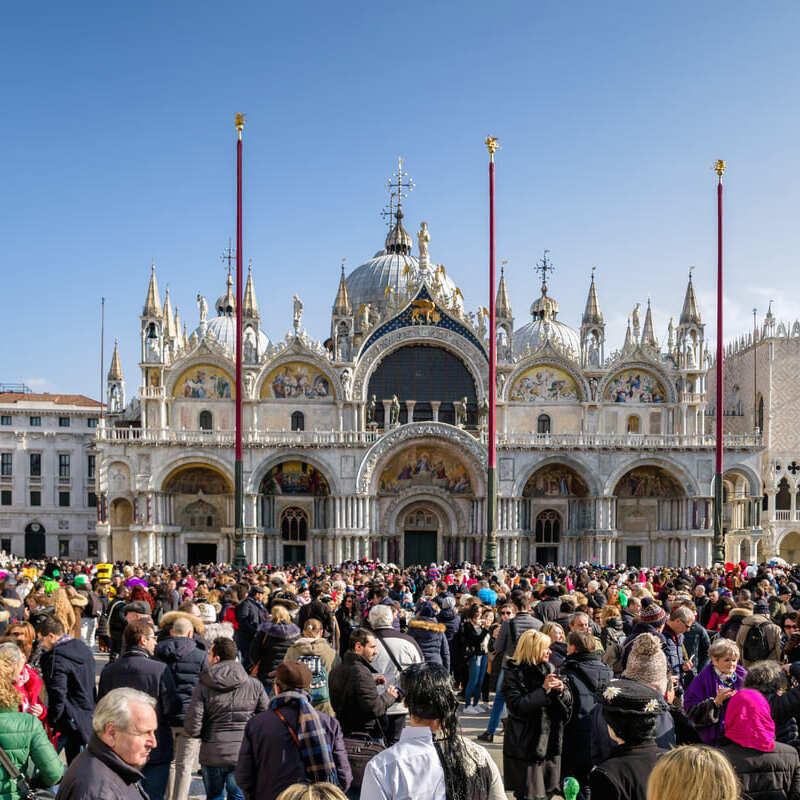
(790, 547)
(649, 499)
(294, 483)
(547, 535)
(426, 375)
(294, 534)
(420, 536)
(35, 540)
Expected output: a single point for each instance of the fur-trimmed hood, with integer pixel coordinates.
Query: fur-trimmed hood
(427, 625)
(11, 602)
(739, 612)
(171, 616)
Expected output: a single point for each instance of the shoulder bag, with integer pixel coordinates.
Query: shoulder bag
(23, 787)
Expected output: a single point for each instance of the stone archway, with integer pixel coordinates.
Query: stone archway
(790, 547)
(120, 517)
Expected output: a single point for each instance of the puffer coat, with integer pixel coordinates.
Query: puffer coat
(269, 646)
(430, 636)
(185, 661)
(22, 736)
(222, 703)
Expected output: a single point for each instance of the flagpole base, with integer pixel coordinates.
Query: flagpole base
(490, 555)
(719, 541)
(239, 558)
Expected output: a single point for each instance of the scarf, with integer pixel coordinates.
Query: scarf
(310, 738)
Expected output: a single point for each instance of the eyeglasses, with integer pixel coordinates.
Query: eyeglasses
(790, 626)
(506, 613)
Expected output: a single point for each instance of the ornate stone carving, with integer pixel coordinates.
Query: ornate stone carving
(417, 430)
(438, 498)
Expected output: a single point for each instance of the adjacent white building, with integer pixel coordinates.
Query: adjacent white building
(48, 505)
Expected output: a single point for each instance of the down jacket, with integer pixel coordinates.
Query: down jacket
(430, 637)
(22, 736)
(773, 775)
(269, 647)
(222, 703)
(185, 660)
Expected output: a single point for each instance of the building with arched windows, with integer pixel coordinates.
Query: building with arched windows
(372, 443)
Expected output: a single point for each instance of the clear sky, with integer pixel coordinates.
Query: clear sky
(118, 148)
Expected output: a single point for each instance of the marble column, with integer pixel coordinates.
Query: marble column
(435, 409)
(387, 411)
(410, 410)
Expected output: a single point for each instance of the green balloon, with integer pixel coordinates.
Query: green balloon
(623, 599)
(571, 788)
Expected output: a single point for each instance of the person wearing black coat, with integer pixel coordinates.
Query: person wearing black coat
(318, 610)
(587, 676)
(430, 636)
(271, 642)
(348, 618)
(550, 606)
(539, 704)
(250, 614)
(631, 710)
(67, 667)
(136, 669)
(769, 678)
(353, 686)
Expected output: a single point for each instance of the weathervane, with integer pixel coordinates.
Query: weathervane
(399, 186)
(545, 266)
(228, 255)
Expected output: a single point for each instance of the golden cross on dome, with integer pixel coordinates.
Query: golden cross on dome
(229, 254)
(399, 185)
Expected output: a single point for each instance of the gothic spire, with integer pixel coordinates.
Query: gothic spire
(591, 314)
(501, 303)
(648, 334)
(628, 337)
(152, 303)
(341, 305)
(250, 304)
(690, 315)
(169, 320)
(115, 370)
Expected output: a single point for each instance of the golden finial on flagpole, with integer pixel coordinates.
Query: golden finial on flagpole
(491, 143)
(719, 167)
(239, 124)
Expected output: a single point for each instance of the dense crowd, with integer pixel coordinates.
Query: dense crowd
(323, 683)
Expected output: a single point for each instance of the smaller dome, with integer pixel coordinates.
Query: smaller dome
(223, 330)
(539, 331)
(226, 303)
(398, 240)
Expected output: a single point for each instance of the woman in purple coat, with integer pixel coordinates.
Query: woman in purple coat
(708, 694)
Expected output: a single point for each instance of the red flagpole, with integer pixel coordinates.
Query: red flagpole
(239, 558)
(490, 559)
(719, 547)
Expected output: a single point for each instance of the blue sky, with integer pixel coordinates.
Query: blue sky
(118, 148)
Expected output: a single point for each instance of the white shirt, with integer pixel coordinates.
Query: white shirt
(410, 770)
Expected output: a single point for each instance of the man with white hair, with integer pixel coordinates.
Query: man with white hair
(395, 651)
(124, 724)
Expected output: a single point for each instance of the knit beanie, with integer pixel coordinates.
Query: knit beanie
(652, 613)
(647, 662)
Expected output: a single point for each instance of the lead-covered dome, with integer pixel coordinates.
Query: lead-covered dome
(545, 327)
(223, 330)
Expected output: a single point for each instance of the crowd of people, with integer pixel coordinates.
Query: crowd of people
(324, 683)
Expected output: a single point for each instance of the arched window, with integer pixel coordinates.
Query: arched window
(761, 413)
(206, 421)
(294, 525)
(634, 424)
(543, 424)
(298, 421)
(783, 498)
(548, 527)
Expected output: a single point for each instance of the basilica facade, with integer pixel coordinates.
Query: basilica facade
(373, 443)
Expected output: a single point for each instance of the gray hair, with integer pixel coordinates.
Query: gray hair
(381, 616)
(766, 677)
(116, 707)
(723, 647)
(11, 651)
(181, 627)
(682, 614)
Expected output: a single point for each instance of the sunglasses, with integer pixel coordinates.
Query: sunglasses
(789, 626)
(506, 613)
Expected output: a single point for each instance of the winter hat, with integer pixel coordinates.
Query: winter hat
(448, 602)
(208, 613)
(652, 613)
(748, 721)
(647, 663)
(426, 610)
(632, 699)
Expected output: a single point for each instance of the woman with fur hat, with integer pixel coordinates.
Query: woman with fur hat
(430, 636)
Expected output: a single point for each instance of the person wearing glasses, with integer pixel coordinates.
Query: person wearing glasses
(137, 669)
(790, 639)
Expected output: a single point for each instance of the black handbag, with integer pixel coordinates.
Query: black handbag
(360, 749)
(23, 787)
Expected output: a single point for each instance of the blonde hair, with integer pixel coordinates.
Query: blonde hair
(62, 609)
(10, 696)
(314, 791)
(531, 647)
(608, 612)
(549, 628)
(280, 614)
(693, 771)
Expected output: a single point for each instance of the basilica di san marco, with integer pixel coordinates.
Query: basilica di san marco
(372, 443)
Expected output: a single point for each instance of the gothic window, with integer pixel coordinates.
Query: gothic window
(548, 527)
(294, 525)
(783, 499)
(543, 424)
(205, 421)
(761, 413)
(634, 424)
(298, 421)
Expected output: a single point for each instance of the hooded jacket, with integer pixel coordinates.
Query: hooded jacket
(768, 770)
(429, 635)
(314, 646)
(99, 772)
(68, 674)
(222, 703)
(185, 661)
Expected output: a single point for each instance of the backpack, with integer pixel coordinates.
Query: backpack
(319, 679)
(755, 646)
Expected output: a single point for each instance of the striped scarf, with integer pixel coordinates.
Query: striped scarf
(310, 737)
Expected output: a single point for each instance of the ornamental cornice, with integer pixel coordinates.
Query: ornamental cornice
(420, 334)
(410, 432)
